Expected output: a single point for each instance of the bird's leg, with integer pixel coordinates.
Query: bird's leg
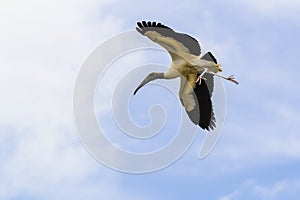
(200, 77)
(229, 78)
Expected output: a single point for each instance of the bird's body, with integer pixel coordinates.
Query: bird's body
(181, 55)
(190, 67)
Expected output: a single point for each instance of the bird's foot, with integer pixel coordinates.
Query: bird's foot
(232, 79)
(199, 79)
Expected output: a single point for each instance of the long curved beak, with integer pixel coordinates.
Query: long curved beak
(141, 85)
(152, 76)
(144, 82)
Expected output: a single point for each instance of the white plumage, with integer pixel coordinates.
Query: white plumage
(190, 67)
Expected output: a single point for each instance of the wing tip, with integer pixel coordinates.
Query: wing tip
(151, 24)
(209, 127)
(213, 57)
(139, 30)
(210, 57)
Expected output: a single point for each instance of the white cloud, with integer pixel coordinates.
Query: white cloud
(272, 8)
(250, 189)
(230, 196)
(42, 47)
(43, 44)
(259, 143)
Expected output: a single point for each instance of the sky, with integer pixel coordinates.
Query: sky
(43, 45)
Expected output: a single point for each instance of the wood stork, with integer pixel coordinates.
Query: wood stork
(190, 67)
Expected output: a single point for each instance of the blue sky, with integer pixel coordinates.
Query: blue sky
(43, 45)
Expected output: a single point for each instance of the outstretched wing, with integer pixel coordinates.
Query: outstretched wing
(196, 100)
(173, 42)
(209, 77)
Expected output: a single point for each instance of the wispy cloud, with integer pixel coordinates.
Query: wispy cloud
(269, 8)
(251, 189)
(43, 45)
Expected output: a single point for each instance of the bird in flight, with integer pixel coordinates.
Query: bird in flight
(196, 72)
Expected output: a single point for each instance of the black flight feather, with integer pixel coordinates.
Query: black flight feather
(189, 42)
